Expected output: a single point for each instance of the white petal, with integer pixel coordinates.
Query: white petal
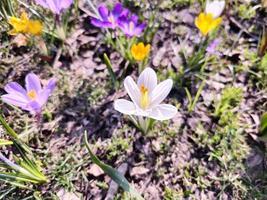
(132, 90)
(161, 92)
(163, 112)
(141, 112)
(124, 106)
(215, 7)
(148, 78)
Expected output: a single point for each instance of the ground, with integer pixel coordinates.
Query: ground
(210, 150)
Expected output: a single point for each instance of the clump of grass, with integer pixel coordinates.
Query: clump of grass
(231, 97)
(170, 194)
(225, 145)
(118, 147)
(246, 11)
(230, 147)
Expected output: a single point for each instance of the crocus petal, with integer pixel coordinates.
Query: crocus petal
(215, 7)
(141, 112)
(163, 112)
(34, 107)
(15, 88)
(103, 12)
(33, 82)
(15, 100)
(52, 6)
(139, 29)
(65, 3)
(148, 78)
(51, 84)
(43, 97)
(124, 106)
(160, 92)
(42, 3)
(125, 12)
(100, 24)
(117, 10)
(132, 90)
(134, 18)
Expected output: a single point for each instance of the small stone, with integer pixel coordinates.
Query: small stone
(95, 170)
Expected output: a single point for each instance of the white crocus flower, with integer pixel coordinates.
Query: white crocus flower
(146, 97)
(215, 7)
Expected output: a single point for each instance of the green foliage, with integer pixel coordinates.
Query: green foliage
(171, 194)
(24, 169)
(113, 173)
(229, 145)
(231, 97)
(226, 144)
(118, 146)
(263, 65)
(169, 4)
(246, 11)
(111, 72)
(96, 94)
(7, 8)
(263, 125)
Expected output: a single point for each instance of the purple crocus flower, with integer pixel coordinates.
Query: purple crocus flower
(212, 47)
(33, 98)
(130, 26)
(109, 19)
(56, 6)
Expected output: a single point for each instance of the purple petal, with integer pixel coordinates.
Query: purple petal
(42, 3)
(103, 12)
(139, 29)
(134, 18)
(15, 100)
(51, 84)
(64, 4)
(123, 23)
(53, 5)
(125, 13)
(212, 47)
(43, 97)
(100, 24)
(117, 10)
(15, 88)
(34, 107)
(33, 83)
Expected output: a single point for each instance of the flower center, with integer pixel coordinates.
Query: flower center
(144, 102)
(131, 26)
(111, 19)
(32, 95)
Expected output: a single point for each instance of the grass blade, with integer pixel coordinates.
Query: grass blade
(111, 72)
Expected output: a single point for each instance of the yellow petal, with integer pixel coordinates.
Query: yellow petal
(24, 16)
(35, 27)
(206, 23)
(140, 51)
(18, 25)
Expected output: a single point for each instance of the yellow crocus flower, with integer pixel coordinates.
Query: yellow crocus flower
(140, 51)
(206, 23)
(25, 25)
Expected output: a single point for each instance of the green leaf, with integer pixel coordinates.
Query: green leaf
(263, 125)
(113, 173)
(10, 131)
(25, 164)
(16, 177)
(5, 142)
(111, 72)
